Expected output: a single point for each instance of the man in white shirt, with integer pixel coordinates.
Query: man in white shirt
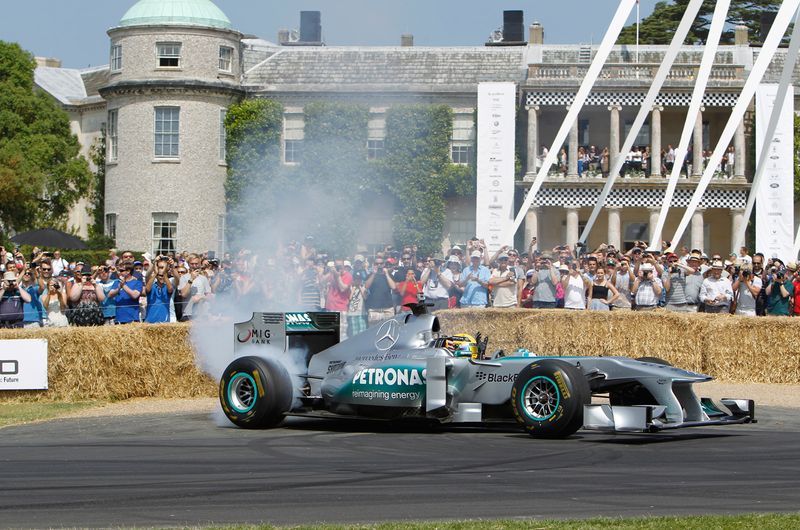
(504, 284)
(716, 292)
(58, 263)
(747, 287)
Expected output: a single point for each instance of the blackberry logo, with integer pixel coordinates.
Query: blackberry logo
(495, 378)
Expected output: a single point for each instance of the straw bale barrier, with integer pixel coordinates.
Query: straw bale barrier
(117, 362)
(140, 360)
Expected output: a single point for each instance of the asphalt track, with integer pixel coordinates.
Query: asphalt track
(162, 470)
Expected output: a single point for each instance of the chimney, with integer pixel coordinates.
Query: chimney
(741, 36)
(406, 40)
(536, 33)
(513, 26)
(310, 27)
(49, 62)
(283, 36)
(767, 19)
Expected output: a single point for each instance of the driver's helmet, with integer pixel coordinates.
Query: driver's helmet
(463, 345)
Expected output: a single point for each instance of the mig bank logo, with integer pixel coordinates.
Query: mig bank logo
(254, 336)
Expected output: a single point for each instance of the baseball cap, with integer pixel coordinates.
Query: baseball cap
(501, 256)
(476, 254)
(453, 259)
(359, 257)
(347, 264)
(717, 265)
(646, 267)
(530, 272)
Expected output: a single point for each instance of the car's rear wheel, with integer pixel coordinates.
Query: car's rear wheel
(255, 393)
(548, 398)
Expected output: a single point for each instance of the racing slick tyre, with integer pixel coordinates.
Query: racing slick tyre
(255, 393)
(548, 398)
(636, 394)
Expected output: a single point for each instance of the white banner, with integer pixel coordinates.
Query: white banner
(775, 194)
(494, 203)
(23, 364)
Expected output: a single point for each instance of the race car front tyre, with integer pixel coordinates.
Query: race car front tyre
(634, 393)
(255, 393)
(548, 398)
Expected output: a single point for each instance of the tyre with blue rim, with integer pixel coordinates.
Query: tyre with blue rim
(255, 393)
(548, 398)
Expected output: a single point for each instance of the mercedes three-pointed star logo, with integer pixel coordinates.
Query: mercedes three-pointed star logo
(387, 335)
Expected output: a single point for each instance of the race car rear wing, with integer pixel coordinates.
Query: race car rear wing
(312, 331)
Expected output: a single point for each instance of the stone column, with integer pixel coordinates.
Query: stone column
(654, 213)
(613, 137)
(572, 225)
(572, 155)
(697, 149)
(697, 232)
(614, 227)
(655, 142)
(737, 218)
(741, 151)
(531, 226)
(533, 139)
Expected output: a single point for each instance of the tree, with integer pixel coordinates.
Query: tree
(42, 174)
(660, 26)
(417, 158)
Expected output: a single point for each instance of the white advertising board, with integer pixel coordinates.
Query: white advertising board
(23, 364)
(494, 215)
(775, 194)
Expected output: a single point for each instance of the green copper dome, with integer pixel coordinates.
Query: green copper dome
(176, 13)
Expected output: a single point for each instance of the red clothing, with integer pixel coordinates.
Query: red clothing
(527, 291)
(337, 300)
(408, 292)
(796, 304)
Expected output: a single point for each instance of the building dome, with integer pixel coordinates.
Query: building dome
(176, 13)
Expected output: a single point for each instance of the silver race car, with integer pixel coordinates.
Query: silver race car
(294, 364)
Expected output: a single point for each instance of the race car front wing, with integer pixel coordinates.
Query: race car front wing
(652, 418)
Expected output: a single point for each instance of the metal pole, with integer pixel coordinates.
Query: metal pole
(782, 20)
(658, 81)
(622, 14)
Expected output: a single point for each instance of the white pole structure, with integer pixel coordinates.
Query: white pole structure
(782, 20)
(638, 19)
(658, 81)
(783, 88)
(623, 11)
(706, 64)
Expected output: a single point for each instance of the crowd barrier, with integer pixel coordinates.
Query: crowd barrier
(141, 360)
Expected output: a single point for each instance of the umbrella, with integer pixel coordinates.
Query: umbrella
(49, 237)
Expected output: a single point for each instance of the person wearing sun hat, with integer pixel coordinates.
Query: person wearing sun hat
(716, 292)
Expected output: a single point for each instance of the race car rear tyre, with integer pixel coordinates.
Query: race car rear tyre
(548, 398)
(255, 393)
(636, 394)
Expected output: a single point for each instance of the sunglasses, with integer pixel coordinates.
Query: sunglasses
(46, 269)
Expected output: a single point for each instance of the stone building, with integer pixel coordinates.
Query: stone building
(176, 65)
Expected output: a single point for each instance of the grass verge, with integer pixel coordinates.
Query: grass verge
(701, 522)
(14, 413)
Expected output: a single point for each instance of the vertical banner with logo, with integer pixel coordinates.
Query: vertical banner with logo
(23, 364)
(775, 195)
(494, 202)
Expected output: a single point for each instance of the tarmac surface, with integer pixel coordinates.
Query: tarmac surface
(189, 469)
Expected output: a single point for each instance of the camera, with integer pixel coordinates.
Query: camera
(674, 268)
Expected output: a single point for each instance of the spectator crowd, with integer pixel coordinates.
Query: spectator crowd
(44, 289)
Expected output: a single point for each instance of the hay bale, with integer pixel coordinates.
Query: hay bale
(118, 362)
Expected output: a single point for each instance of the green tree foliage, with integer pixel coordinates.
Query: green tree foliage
(660, 26)
(97, 238)
(417, 155)
(42, 174)
(253, 133)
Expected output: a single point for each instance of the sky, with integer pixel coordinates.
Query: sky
(75, 30)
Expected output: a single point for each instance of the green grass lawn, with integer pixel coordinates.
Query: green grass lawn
(702, 522)
(13, 413)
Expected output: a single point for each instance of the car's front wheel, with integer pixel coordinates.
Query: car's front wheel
(255, 393)
(548, 398)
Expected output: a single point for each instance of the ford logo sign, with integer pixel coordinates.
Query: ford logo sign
(774, 185)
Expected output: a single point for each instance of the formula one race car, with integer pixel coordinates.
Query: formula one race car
(294, 364)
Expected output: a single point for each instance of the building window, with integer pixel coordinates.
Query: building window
(634, 232)
(167, 141)
(165, 233)
(116, 58)
(221, 235)
(375, 149)
(111, 135)
(461, 154)
(226, 58)
(223, 151)
(111, 225)
(169, 54)
(291, 151)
